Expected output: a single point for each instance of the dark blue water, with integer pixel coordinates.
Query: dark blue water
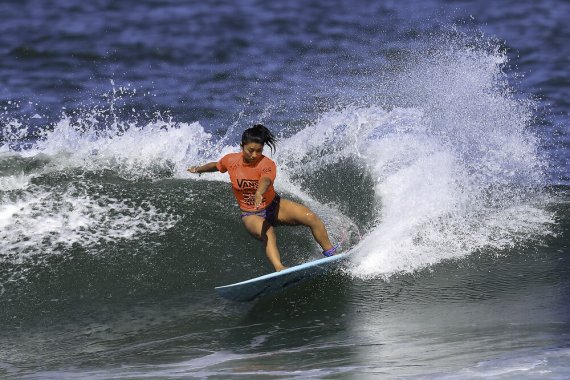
(432, 136)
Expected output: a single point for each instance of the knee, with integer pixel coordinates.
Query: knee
(256, 235)
(254, 230)
(262, 231)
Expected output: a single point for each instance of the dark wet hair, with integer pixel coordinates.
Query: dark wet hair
(259, 134)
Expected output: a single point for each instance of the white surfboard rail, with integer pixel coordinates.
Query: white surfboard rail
(278, 281)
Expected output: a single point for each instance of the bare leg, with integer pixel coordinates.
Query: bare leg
(293, 213)
(262, 230)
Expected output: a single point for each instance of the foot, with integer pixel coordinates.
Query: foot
(330, 252)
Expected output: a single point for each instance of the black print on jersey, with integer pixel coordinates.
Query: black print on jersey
(247, 183)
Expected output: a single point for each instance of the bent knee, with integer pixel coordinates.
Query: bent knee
(253, 228)
(259, 229)
(255, 234)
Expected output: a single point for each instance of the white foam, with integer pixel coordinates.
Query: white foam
(131, 151)
(455, 172)
(549, 362)
(41, 221)
(454, 163)
(15, 182)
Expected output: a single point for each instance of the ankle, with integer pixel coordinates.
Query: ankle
(331, 251)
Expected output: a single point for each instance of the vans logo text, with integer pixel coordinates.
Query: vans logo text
(247, 183)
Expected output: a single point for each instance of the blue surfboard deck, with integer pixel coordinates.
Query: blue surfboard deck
(278, 281)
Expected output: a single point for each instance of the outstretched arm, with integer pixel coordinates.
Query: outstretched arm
(209, 167)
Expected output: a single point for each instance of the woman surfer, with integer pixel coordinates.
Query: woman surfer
(252, 175)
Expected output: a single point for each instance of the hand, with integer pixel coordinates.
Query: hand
(193, 169)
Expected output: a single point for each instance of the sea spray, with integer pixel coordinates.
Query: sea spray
(61, 188)
(445, 160)
(44, 220)
(455, 163)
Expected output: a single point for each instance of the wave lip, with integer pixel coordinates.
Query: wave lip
(455, 163)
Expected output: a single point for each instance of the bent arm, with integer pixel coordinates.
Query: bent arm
(264, 184)
(209, 167)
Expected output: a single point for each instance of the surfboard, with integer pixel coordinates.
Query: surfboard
(275, 282)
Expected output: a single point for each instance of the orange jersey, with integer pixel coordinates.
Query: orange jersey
(245, 179)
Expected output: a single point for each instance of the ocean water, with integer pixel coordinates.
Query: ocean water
(432, 138)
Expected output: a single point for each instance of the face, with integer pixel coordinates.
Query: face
(252, 151)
